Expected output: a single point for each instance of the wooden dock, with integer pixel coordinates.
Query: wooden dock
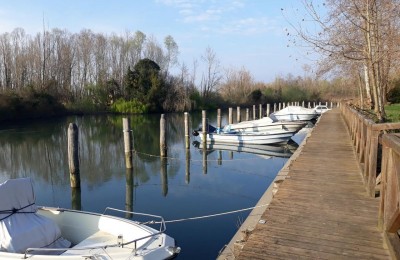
(322, 209)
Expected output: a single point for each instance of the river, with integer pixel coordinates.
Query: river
(192, 183)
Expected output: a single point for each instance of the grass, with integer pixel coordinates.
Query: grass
(393, 112)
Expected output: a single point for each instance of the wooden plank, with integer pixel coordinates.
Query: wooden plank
(321, 210)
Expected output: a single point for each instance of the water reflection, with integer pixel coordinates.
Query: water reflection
(188, 183)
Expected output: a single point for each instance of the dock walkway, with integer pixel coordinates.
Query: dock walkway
(321, 210)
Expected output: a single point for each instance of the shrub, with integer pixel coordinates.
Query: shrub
(129, 107)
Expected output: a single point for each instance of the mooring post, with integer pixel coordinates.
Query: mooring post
(279, 106)
(254, 112)
(261, 111)
(76, 201)
(219, 119)
(128, 144)
(230, 116)
(204, 126)
(238, 116)
(268, 110)
(187, 135)
(274, 107)
(73, 156)
(163, 139)
(247, 114)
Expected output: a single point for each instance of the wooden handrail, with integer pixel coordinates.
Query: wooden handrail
(365, 135)
(389, 210)
(369, 139)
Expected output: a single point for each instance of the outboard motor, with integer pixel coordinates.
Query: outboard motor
(210, 129)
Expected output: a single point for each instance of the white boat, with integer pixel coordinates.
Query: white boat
(284, 151)
(31, 232)
(294, 113)
(320, 109)
(264, 124)
(268, 137)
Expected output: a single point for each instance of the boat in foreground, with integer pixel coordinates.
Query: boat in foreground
(31, 232)
(294, 113)
(264, 124)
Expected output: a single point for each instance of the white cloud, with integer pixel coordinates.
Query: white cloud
(222, 16)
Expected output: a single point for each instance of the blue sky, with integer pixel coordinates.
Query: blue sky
(242, 33)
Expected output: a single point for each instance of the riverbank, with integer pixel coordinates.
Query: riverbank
(232, 249)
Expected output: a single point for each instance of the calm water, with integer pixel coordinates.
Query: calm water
(212, 181)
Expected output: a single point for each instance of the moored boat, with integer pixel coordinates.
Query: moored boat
(264, 124)
(31, 232)
(294, 113)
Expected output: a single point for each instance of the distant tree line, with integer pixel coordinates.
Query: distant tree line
(57, 72)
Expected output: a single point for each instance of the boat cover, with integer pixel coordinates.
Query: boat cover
(295, 110)
(20, 227)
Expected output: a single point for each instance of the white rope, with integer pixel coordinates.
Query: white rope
(215, 215)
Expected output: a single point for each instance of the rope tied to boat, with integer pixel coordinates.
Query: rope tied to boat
(209, 216)
(13, 211)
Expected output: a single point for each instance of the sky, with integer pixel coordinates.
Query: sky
(249, 34)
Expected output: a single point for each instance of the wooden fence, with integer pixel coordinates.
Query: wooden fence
(389, 211)
(366, 139)
(375, 147)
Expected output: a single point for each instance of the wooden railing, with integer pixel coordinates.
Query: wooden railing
(365, 135)
(375, 148)
(389, 210)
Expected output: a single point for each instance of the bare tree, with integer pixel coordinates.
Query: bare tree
(171, 57)
(360, 32)
(212, 76)
(237, 86)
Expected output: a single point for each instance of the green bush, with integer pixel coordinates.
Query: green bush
(129, 107)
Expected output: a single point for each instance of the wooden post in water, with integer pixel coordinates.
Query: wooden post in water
(279, 106)
(230, 116)
(219, 119)
(261, 111)
(76, 201)
(238, 116)
(254, 112)
(187, 135)
(73, 156)
(302, 104)
(204, 126)
(274, 107)
(268, 109)
(309, 104)
(163, 139)
(247, 114)
(128, 144)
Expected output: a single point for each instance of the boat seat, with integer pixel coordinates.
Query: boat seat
(20, 226)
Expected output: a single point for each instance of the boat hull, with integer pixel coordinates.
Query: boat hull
(284, 151)
(262, 125)
(249, 138)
